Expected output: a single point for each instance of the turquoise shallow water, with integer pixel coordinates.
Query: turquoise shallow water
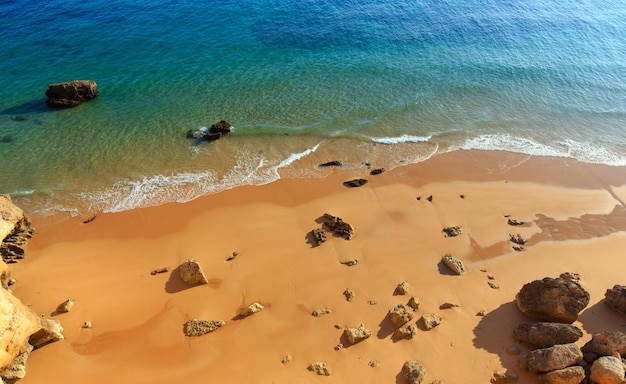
(387, 82)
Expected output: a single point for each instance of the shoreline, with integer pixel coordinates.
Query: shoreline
(574, 215)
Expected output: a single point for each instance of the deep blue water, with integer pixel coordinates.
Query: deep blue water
(387, 82)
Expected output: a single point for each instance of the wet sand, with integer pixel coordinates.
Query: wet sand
(574, 221)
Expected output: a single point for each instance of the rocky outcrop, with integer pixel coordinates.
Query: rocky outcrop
(615, 298)
(452, 231)
(191, 273)
(15, 230)
(569, 375)
(412, 372)
(543, 334)
(71, 93)
(356, 335)
(21, 331)
(552, 358)
(196, 327)
(406, 332)
(607, 370)
(554, 300)
(454, 264)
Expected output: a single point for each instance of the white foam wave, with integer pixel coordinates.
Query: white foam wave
(581, 151)
(400, 139)
(250, 169)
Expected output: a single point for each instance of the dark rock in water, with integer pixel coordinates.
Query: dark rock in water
(212, 133)
(556, 300)
(334, 163)
(377, 171)
(222, 127)
(19, 118)
(545, 334)
(6, 139)
(355, 183)
(615, 298)
(212, 136)
(71, 93)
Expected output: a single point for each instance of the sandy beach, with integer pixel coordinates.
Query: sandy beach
(574, 219)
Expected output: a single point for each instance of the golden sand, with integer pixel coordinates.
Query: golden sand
(574, 220)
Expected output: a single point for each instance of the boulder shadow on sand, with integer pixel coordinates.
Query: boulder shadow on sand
(494, 333)
(386, 328)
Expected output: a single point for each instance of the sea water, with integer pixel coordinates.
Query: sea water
(380, 82)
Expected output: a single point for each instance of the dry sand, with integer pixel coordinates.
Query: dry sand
(575, 221)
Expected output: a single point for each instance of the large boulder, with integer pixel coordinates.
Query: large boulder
(555, 300)
(549, 359)
(607, 370)
(337, 226)
(21, 330)
(606, 343)
(70, 93)
(454, 264)
(545, 334)
(615, 298)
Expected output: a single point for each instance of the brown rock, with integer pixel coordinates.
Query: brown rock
(402, 288)
(606, 344)
(70, 93)
(430, 320)
(607, 370)
(222, 127)
(412, 372)
(552, 358)
(452, 231)
(454, 264)
(320, 368)
(251, 309)
(321, 312)
(319, 236)
(406, 332)
(504, 378)
(414, 303)
(356, 335)
(355, 183)
(544, 334)
(196, 327)
(615, 298)
(191, 273)
(349, 294)
(569, 375)
(337, 226)
(66, 306)
(555, 300)
(400, 314)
